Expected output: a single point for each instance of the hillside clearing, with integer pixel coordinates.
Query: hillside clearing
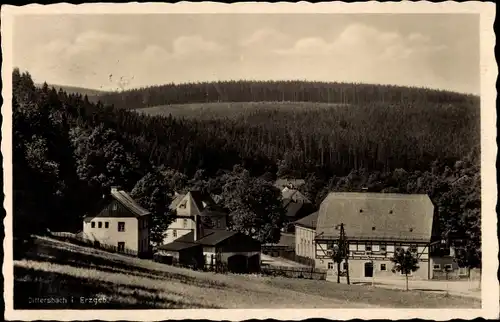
(59, 269)
(227, 109)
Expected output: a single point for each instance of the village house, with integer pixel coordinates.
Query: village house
(296, 205)
(213, 248)
(121, 222)
(375, 226)
(187, 206)
(305, 233)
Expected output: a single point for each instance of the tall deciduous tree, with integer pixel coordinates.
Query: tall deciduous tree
(255, 206)
(152, 192)
(405, 262)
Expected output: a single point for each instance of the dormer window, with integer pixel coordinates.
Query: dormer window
(373, 228)
(411, 230)
(183, 205)
(360, 210)
(390, 211)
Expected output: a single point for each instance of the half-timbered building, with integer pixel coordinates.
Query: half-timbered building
(375, 226)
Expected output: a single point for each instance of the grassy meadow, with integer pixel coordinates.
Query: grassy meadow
(207, 111)
(59, 269)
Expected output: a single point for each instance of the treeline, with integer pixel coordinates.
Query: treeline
(68, 151)
(281, 91)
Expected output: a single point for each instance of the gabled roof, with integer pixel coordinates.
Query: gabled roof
(376, 216)
(293, 194)
(282, 183)
(125, 200)
(196, 197)
(177, 246)
(310, 221)
(211, 237)
(177, 199)
(199, 198)
(286, 240)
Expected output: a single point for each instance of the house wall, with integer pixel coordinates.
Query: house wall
(143, 235)
(111, 235)
(382, 252)
(304, 242)
(184, 223)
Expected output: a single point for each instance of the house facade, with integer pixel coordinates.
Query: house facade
(214, 249)
(375, 226)
(121, 223)
(187, 206)
(305, 234)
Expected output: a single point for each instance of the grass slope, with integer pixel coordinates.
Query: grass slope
(230, 110)
(59, 269)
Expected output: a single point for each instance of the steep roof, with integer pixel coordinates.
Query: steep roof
(293, 194)
(308, 221)
(199, 198)
(376, 216)
(125, 200)
(282, 183)
(177, 199)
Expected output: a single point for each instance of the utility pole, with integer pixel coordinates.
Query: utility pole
(344, 249)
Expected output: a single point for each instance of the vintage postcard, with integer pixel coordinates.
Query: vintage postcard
(250, 160)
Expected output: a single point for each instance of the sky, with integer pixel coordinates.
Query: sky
(112, 52)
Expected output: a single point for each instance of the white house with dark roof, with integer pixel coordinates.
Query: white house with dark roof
(305, 234)
(189, 205)
(375, 225)
(121, 223)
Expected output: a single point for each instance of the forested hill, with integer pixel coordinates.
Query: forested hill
(92, 94)
(281, 91)
(68, 152)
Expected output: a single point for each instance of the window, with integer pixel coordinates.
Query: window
(383, 267)
(115, 207)
(368, 248)
(184, 223)
(344, 266)
(106, 224)
(99, 224)
(121, 226)
(353, 247)
(437, 267)
(174, 233)
(390, 248)
(448, 267)
(330, 265)
(121, 246)
(373, 228)
(92, 224)
(462, 271)
(375, 248)
(183, 205)
(383, 248)
(218, 223)
(413, 249)
(361, 247)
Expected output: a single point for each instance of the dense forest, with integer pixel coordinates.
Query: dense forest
(280, 91)
(68, 151)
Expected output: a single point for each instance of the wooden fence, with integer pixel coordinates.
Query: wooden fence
(82, 241)
(294, 272)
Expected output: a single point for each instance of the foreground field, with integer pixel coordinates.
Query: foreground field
(57, 269)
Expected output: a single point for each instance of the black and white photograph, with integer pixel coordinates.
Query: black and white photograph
(211, 156)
